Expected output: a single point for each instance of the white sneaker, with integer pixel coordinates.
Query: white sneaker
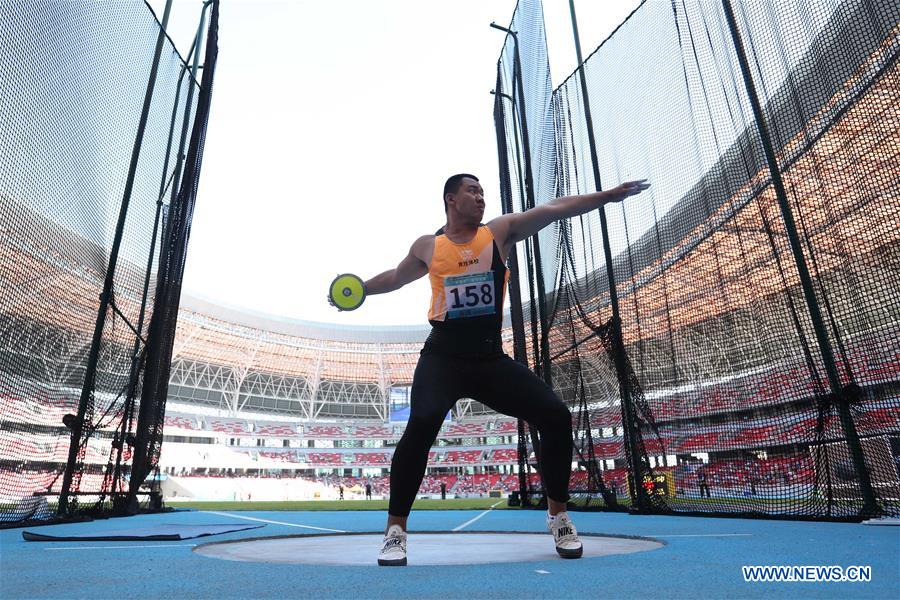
(566, 537)
(393, 549)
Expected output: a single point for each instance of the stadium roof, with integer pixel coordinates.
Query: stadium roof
(306, 329)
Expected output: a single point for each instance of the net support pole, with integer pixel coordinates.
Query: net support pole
(142, 423)
(165, 183)
(135, 350)
(870, 505)
(529, 195)
(106, 294)
(629, 421)
(185, 124)
(517, 319)
(515, 292)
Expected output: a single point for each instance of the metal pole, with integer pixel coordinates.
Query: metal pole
(515, 293)
(164, 181)
(105, 296)
(870, 505)
(534, 322)
(519, 181)
(176, 181)
(629, 421)
(198, 42)
(589, 123)
(529, 194)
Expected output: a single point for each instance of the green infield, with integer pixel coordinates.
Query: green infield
(722, 504)
(449, 504)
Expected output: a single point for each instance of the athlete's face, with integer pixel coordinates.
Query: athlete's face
(468, 199)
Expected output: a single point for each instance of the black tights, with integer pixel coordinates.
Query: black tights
(500, 383)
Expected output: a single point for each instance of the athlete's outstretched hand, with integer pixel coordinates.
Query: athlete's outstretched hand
(629, 188)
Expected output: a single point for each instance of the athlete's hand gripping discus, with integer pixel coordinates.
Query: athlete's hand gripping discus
(347, 292)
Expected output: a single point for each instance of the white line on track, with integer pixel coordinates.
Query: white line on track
(472, 520)
(224, 514)
(123, 547)
(697, 534)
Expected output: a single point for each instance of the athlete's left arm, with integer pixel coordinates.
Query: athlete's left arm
(515, 227)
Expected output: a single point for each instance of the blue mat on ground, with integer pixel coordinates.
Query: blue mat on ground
(160, 533)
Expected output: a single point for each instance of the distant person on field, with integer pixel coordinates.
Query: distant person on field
(702, 482)
(340, 491)
(368, 491)
(463, 356)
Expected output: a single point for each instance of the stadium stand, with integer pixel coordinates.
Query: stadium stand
(505, 426)
(326, 459)
(503, 456)
(180, 422)
(325, 384)
(371, 459)
(230, 427)
(326, 431)
(282, 431)
(466, 430)
(463, 457)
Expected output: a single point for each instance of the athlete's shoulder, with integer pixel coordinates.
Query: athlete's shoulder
(423, 247)
(499, 228)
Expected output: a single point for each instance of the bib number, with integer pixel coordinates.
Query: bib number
(469, 295)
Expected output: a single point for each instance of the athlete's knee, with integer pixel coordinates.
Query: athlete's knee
(413, 442)
(558, 418)
(424, 425)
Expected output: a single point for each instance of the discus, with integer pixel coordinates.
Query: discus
(347, 292)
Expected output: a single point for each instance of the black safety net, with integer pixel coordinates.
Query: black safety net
(754, 291)
(96, 106)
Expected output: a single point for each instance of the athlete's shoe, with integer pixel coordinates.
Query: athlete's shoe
(393, 549)
(566, 537)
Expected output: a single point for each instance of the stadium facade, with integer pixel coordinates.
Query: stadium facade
(261, 396)
(710, 320)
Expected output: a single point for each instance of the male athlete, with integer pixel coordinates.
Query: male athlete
(463, 356)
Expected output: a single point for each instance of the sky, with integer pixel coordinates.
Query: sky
(332, 130)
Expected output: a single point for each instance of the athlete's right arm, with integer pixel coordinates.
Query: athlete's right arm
(412, 267)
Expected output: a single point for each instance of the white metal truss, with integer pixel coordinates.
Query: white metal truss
(233, 396)
(240, 387)
(222, 386)
(278, 392)
(235, 368)
(188, 333)
(315, 380)
(466, 407)
(350, 399)
(55, 354)
(384, 384)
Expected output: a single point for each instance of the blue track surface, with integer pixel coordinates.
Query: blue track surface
(702, 559)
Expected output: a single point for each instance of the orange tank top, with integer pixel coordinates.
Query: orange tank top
(468, 283)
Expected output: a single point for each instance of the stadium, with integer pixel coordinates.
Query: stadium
(278, 399)
(293, 410)
(727, 345)
(311, 401)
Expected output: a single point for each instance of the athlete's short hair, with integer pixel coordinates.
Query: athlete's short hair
(452, 185)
